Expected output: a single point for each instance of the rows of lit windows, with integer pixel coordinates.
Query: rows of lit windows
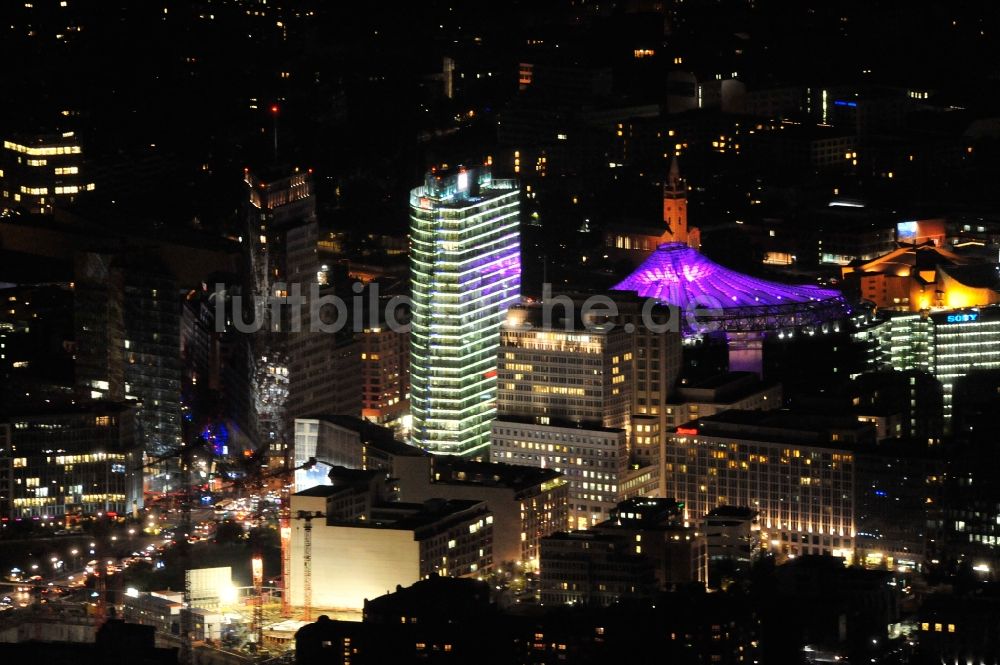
(43, 151)
(558, 390)
(813, 497)
(100, 498)
(86, 458)
(33, 502)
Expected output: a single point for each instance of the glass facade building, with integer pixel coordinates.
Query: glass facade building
(465, 269)
(947, 344)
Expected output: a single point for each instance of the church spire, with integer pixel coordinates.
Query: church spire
(674, 175)
(675, 209)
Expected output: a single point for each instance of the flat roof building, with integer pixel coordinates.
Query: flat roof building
(797, 470)
(564, 369)
(381, 545)
(72, 460)
(593, 459)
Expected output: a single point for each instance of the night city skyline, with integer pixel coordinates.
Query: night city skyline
(533, 332)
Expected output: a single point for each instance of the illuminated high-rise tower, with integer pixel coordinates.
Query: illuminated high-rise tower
(465, 268)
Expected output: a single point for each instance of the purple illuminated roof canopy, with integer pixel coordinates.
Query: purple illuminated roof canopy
(678, 275)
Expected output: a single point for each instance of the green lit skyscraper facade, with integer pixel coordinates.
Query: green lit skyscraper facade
(465, 270)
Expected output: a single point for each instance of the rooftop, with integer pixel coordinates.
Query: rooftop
(442, 597)
(726, 387)
(454, 471)
(784, 426)
(373, 434)
(545, 421)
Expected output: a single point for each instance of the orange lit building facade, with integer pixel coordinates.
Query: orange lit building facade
(923, 277)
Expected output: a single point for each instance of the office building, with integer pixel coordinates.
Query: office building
(657, 359)
(362, 546)
(465, 269)
(270, 398)
(732, 535)
(61, 462)
(281, 238)
(324, 363)
(593, 459)
(217, 359)
(64, 640)
(151, 310)
(946, 344)
(127, 323)
(801, 148)
(444, 620)
(159, 609)
(40, 172)
(959, 628)
(99, 327)
(565, 403)
(975, 403)
(575, 373)
(796, 470)
(36, 363)
(899, 489)
(592, 568)
(385, 373)
(655, 529)
(820, 601)
(355, 443)
(901, 404)
(277, 199)
(744, 391)
(527, 504)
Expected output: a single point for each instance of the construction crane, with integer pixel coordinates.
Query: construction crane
(286, 544)
(307, 516)
(284, 522)
(257, 565)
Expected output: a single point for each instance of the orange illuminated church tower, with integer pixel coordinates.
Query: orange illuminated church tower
(675, 214)
(634, 242)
